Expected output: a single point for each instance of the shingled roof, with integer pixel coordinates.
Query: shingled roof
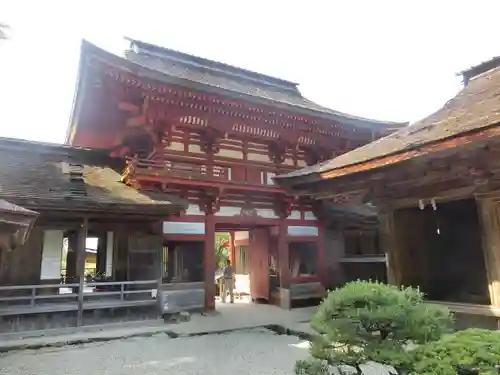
(162, 65)
(474, 109)
(39, 175)
(233, 80)
(11, 208)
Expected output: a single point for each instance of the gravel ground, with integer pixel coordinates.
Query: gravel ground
(256, 352)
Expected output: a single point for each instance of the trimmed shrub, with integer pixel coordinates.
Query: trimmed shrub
(371, 321)
(473, 348)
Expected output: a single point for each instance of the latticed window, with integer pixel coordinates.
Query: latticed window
(242, 260)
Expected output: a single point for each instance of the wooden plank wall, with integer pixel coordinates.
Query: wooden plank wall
(21, 266)
(489, 210)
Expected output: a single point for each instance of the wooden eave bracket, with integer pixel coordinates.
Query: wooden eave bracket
(129, 107)
(136, 121)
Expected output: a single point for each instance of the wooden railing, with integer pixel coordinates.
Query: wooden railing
(174, 169)
(30, 299)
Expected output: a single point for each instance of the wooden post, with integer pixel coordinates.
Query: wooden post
(388, 243)
(158, 229)
(232, 248)
(321, 259)
(283, 255)
(489, 215)
(82, 237)
(209, 260)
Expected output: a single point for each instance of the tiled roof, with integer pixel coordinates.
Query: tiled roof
(474, 108)
(45, 175)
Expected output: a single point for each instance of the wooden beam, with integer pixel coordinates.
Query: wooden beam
(283, 255)
(175, 106)
(232, 247)
(321, 254)
(139, 120)
(82, 237)
(158, 230)
(209, 261)
(389, 244)
(438, 196)
(129, 107)
(266, 116)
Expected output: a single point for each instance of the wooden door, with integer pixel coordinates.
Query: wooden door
(144, 257)
(259, 263)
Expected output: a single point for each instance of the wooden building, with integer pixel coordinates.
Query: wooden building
(216, 135)
(15, 225)
(436, 185)
(79, 200)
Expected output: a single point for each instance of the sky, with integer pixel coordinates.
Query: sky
(387, 59)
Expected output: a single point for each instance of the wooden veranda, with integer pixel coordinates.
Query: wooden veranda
(436, 185)
(86, 217)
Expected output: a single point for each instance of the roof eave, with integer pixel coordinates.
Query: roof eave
(155, 47)
(78, 95)
(153, 209)
(288, 182)
(88, 49)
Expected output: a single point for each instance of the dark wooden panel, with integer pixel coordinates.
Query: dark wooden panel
(259, 263)
(254, 176)
(238, 173)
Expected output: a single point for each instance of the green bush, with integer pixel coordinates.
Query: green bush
(477, 348)
(371, 321)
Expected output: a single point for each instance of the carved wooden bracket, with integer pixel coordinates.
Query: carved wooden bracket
(210, 201)
(168, 130)
(316, 155)
(248, 209)
(210, 141)
(317, 209)
(277, 152)
(284, 206)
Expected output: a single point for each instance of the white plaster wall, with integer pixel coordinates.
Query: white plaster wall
(194, 209)
(231, 154)
(176, 146)
(51, 254)
(109, 253)
(309, 216)
(228, 211)
(298, 230)
(269, 177)
(258, 157)
(195, 149)
(179, 227)
(267, 213)
(241, 235)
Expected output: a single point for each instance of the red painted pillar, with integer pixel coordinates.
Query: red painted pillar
(321, 260)
(209, 260)
(283, 255)
(232, 249)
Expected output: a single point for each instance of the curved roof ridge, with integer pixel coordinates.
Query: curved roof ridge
(279, 99)
(205, 61)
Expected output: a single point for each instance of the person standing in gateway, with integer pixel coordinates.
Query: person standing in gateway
(227, 282)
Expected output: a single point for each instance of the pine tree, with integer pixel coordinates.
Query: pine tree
(370, 321)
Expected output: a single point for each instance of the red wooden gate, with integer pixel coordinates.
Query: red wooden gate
(259, 263)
